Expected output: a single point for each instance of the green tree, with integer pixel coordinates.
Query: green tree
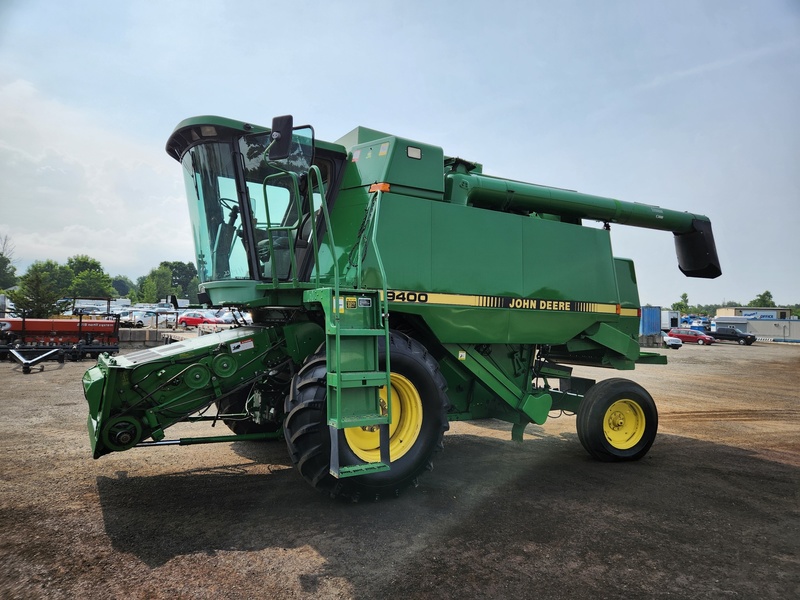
(162, 277)
(762, 300)
(193, 289)
(157, 284)
(147, 291)
(61, 275)
(122, 285)
(182, 275)
(82, 262)
(41, 290)
(90, 280)
(90, 284)
(683, 305)
(8, 272)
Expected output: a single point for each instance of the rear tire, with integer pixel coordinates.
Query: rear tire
(617, 420)
(419, 408)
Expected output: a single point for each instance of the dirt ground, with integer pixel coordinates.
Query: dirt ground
(713, 511)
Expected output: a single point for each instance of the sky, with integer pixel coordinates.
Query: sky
(691, 105)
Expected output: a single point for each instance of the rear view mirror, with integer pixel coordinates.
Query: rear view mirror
(281, 137)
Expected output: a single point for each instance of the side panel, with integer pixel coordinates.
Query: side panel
(347, 218)
(487, 260)
(476, 251)
(399, 162)
(628, 297)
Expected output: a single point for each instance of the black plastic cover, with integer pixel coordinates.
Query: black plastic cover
(697, 252)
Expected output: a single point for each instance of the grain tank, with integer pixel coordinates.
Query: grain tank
(393, 289)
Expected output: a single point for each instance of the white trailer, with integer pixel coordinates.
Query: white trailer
(670, 319)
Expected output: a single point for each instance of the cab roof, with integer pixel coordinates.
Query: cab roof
(195, 130)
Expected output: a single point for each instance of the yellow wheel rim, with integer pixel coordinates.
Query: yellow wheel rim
(624, 424)
(403, 430)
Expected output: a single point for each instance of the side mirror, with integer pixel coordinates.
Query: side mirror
(281, 137)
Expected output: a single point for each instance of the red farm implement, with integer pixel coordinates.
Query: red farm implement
(31, 341)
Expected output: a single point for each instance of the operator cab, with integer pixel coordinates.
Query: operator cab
(255, 197)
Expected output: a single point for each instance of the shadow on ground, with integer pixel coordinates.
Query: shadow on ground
(495, 519)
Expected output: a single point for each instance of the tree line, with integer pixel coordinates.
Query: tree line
(762, 300)
(43, 289)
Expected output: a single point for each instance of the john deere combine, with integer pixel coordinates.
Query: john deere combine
(393, 289)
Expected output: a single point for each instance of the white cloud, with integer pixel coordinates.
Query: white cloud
(69, 186)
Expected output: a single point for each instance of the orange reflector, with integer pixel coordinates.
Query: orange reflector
(379, 187)
(619, 309)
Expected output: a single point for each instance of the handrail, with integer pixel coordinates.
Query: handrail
(384, 289)
(326, 218)
(287, 228)
(334, 323)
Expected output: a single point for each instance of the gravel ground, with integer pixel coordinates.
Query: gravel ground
(711, 512)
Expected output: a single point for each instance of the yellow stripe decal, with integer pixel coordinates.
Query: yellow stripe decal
(508, 302)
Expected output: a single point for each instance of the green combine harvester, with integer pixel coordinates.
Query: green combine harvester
(393, 289)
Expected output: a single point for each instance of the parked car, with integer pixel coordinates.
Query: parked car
(230, 316)
(126, 318)
(225, 315)
(145, 318)
(193, 318)
(690, 336)
(670, 342)
(734, 334)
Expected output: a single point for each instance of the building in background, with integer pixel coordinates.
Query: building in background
(750, 312)
(767, 323)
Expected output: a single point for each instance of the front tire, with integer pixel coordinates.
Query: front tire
(742, 342)
(617, 420)
(419, 420)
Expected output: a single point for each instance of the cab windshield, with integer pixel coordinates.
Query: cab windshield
(226, 247)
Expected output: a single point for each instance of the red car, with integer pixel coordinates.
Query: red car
(193, 318)
(691, 336)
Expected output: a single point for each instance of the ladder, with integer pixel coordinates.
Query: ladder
(355, 320)
(355, 377)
